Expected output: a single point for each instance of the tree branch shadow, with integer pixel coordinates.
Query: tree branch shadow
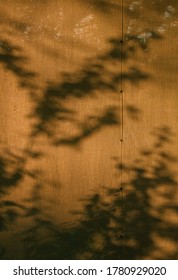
(99, 234)
(105, 230)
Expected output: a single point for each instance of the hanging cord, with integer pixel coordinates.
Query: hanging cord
(122, 127)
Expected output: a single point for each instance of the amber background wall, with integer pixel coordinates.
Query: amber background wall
(89, 124)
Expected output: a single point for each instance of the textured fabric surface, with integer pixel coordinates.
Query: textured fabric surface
(88, 123)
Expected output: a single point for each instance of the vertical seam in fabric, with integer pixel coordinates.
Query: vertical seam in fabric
(122, 127)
